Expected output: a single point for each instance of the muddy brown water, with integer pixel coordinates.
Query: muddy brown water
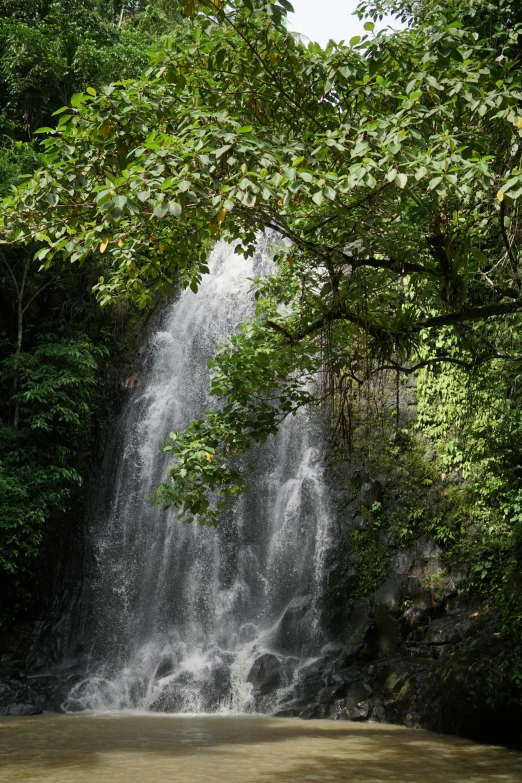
(196, 749)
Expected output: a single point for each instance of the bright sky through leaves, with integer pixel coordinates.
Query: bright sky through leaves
(320, 20)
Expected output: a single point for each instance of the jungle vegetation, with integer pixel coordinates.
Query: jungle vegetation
(391, 164)
(55, 342)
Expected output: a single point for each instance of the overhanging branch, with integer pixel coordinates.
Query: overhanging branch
(481, 312)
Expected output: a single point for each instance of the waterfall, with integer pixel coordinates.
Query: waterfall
(187, 618)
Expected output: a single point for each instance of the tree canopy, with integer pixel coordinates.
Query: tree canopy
(391, 163)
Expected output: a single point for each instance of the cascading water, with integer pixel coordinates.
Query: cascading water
(185, 618)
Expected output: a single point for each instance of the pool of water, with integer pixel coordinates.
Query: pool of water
(239, 749)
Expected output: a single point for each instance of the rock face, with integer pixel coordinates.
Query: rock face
(413, 655)
(371, 492)
(413, 651)
(29, 696)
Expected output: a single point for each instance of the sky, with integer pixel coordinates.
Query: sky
(320, 20)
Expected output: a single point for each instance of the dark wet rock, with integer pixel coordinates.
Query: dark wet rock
(332, 650)
(386, 631)
(408, 654)
(358, 693)
(20, 709)
(289, 637)
(371, 492)
(400, 563)
(312, 679)
(427, 557)
(360, 712)
(426, 548)
(165, 667)
(360, 523)
(217, 686)
(312, 711)
(387, 601)
(444, 631)
(265, 674)
(389, 595)
(414, 618)
(356, 705)
(345, 675)
(326, 695)
(357, 627)
(8, 661)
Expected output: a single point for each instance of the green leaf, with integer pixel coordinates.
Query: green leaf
(175, 208)
(119, 201)
(41, 254)
(478, 255)
(221, 151)
(77, 99)
(160, 210)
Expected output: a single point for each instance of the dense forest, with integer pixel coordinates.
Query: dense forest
(390, 164)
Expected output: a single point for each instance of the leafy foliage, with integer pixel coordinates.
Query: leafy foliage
(52, 49)
(53, 338)
(476, 424)
(55, 388)
(391, 167)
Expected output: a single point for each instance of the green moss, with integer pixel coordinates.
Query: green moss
(372, 563)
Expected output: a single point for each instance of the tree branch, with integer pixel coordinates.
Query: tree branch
(472, 314)
(511, 257)
(391, 264)
(15, 281)
(425, 363)
(280, 329)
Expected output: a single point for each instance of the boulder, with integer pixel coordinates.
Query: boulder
(265, 674)
(400, 563)
(447, 630)
(357, 703)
